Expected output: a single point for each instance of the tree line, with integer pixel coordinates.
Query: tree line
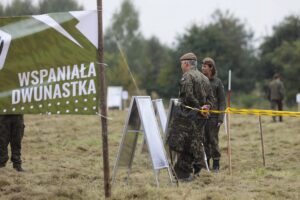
(155, 66)
(26, 7)
(225, 38)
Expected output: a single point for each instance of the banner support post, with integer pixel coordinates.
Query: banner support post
(103, 101)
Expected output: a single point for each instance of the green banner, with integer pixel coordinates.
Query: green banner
(48, 64)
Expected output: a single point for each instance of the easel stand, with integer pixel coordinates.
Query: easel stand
(141, 114)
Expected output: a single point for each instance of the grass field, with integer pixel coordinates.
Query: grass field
(63, 159)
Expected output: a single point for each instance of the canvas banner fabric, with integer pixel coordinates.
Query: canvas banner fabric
(48, 64)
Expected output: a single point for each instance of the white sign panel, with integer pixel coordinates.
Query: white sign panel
(160, 110)
(114, 97)
(125, 95)
(141, 115)
(298, 98)
(151, 130)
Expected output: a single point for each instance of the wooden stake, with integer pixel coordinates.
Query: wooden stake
(228, 123)
(229, 143)
(103, 104)
(262, 141)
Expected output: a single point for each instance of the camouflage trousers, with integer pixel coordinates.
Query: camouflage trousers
(190, 143)
(211, 139)
(11, 132)
(276, 105)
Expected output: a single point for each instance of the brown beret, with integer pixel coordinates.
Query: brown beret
(209, 61)
(188, 56)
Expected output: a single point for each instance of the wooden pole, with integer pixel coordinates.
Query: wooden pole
(103, 103)
(229, 142)
(228, 123)
(262, 141)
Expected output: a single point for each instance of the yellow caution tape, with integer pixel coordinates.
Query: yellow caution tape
(250, 112)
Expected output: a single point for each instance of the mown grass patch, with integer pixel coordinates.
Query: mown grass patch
(63, 158)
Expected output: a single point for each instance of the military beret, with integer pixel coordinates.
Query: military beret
(209, 60)
(188, 56)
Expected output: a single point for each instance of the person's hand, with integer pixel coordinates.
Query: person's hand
(177, 103)
(205, 112)
(219, 124)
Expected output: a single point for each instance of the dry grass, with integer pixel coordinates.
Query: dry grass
(63, 158)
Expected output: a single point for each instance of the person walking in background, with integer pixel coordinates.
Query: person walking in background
(212, 127)
(276, 94)
(11, 132)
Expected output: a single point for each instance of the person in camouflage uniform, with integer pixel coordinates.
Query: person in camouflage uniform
(187, 127)
(211, 135)
(11, 131)
(276, 94)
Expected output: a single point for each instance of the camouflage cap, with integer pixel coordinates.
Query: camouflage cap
(209, 60)
(188, 56)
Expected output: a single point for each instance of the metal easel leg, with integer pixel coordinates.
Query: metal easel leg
(205, 158)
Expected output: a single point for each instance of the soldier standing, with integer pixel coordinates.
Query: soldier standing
(211, 135)
(187, 128)
(11, 132)
(276, 94)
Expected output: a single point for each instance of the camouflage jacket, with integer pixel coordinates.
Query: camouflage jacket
(195, 89)
(276, 90)
(219, 94)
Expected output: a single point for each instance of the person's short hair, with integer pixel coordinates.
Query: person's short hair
(276, 75)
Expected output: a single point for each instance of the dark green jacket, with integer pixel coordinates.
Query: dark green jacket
(219, 94)
(276, 90)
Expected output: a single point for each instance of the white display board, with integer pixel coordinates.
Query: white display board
(141, 114)
(151, 131)
(160, 110)
(298, 98)
(125, 95)
(114, 97)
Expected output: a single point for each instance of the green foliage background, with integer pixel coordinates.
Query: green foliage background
(225, 38)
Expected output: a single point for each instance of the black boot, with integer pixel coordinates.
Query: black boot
(18, 167)
(216, 165)
(197, 169)
(183, 176)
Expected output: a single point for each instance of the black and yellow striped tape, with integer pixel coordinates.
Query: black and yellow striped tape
(243, 111)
